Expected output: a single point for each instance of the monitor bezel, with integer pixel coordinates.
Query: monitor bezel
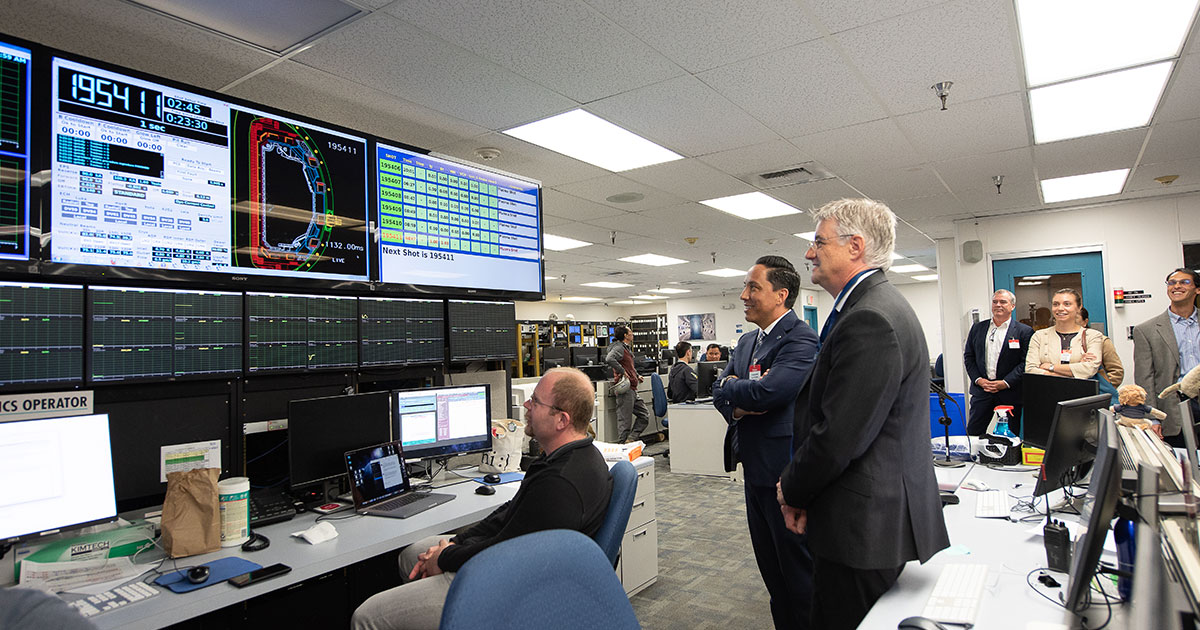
(1057, 461)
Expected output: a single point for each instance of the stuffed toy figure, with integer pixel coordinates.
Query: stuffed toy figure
(1133, 410)
(1189, 384)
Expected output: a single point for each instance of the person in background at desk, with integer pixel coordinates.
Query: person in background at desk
(631, 409)
(712, 353)
(568, 487)
(756, 395)
(861, 483)
(995, 360)
(1066, 349)
(1167, 346)
(681, 382)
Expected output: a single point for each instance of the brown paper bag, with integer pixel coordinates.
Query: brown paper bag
(191, 517)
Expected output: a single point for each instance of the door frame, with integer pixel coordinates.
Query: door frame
(1100, 248)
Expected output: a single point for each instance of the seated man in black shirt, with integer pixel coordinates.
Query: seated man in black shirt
(566, 488)
(681, 382)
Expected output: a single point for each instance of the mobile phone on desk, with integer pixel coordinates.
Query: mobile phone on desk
(258, 575)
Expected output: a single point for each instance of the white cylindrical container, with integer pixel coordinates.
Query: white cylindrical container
(234, 494)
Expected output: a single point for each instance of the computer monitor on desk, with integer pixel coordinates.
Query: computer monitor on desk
(321, 430)
(437, 422)
(1074, 441)
(585, 355)
(1099, 508)
(56, 474)
(1041, 393)
(706, 374)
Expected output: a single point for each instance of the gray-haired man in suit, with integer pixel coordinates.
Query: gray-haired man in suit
(1166, 346)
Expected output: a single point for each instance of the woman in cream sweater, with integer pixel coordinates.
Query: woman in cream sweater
(1066, 349)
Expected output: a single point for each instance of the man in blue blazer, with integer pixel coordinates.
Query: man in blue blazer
(995, 361)
(756, 394)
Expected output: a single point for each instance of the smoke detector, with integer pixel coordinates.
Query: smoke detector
(487, 154)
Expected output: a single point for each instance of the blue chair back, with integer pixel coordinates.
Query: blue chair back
(584, 592)
(612, 530)
(659, 395)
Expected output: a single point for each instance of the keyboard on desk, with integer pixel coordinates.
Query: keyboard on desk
(993, 504)
(108, 600)
(270, 506)
(401, 500)
(955, 597)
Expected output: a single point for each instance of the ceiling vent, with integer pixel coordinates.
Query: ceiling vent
(802, 173)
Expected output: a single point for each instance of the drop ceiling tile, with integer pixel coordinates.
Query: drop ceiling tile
(867, 146)
(522, 158)
(748, 161)
(696, 219)
(704, 35)
(571, 257)
(600, 189)
(935, 206)
(260, 22)
(798, 90)
(970, 179)
(1188, 171)
(689, 179)
(127, 35)
(841, 15)
(559, 204)
(935, 228)
(1173, 141)
(1088, 155)
(807, 197)
(419, 67)
(684, 115)
(567, 47)
(969, 42)
(894, 184)
(1183, 98)
(984, 126)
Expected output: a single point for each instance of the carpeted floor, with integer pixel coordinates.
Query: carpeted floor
(707, 578)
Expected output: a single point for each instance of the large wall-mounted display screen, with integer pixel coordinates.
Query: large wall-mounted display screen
(445, 224)
(14, 151)
(150, 176)
(41, 334)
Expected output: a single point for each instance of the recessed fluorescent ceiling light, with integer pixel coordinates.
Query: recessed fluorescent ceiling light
(1109, 102)
(670, 290)
(896, 256)
(560, 243)
(580, 298)
(592, 139)
(1083, 186)
(1066, 39)
(724, 272)
(550, 278)
(654, 260)
(808, 236)
(647, 297)
(607, 285)
(754, 205)
(909, 268)
(630, 302)
(926, 278)
(1035, 277)
(1028, 284)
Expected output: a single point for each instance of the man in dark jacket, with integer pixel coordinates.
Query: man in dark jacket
(681, 382)
(995, 360)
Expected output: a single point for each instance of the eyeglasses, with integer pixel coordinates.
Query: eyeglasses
(1186, 282)
(819, 242)
(534, 399)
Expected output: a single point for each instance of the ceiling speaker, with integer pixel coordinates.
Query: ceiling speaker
(972, 251)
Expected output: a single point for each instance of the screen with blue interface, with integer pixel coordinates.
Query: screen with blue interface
(146, 175)
(300, 332)
(14, 151)
(482, 330)
(400, 332)
(139, 333)
(41, 334)
(442, 223)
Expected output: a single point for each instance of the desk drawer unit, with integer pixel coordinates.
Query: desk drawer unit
(638, 565)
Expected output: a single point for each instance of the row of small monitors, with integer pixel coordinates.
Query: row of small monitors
(53, 334)
(159, 177)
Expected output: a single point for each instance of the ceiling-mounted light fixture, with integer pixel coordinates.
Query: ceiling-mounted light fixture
(942, 90)
(997, 180)
(612, 236)
(690, 240)
(714, 257)
(1166, 180)
(487, 154)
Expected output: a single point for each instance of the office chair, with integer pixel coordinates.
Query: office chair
(612, 530)
(659, 402)
(939, 372)
(560, 579)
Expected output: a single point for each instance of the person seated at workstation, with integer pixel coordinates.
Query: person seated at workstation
(681, 382)
(1067, 348)
(568, 487)
(712, 352)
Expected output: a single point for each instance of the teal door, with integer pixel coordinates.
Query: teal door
(1034, 280)
(810, 316)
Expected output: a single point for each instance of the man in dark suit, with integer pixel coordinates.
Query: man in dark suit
(861, 481)
(756, 394)
(995, 361)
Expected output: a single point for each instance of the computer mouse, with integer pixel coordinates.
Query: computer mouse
(491, 478)
(920, 623)
(198, 575)
(485, 490)
(976, 484)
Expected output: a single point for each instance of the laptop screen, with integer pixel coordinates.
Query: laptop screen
(377, 473)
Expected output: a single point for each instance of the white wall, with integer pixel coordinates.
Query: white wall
(582, 312)
(925, 299)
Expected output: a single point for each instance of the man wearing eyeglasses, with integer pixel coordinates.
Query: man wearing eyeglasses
(1167, 346)
(995, 360)
(568, 487)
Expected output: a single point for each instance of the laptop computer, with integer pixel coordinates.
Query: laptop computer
(379, 483)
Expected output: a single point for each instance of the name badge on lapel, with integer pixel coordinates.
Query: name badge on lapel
(755, 372)
(1014, 344)
(1065, 356)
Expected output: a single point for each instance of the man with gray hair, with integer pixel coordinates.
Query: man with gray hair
(995, 360)
(861, 482)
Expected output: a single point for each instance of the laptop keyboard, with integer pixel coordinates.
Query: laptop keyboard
(270, 506)
(399, 501)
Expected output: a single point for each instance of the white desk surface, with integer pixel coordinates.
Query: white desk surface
(1008, 602)
(359, 538)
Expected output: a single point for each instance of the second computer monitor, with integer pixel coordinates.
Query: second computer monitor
(585, 355)
(434, 422)
(1074, 438)
(1041, 393)
(321, 430)
(1097, 514)
(706, 375)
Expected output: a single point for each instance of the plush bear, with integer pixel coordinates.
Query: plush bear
(1189, 384)
(1133, 410)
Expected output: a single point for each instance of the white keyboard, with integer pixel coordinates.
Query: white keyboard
(993, 504)
(955, 597)
(108, 600)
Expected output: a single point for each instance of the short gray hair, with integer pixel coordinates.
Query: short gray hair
(1011, 298)
(872, 220)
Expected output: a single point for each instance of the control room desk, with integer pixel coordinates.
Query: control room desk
(698, 440)
(359, 538)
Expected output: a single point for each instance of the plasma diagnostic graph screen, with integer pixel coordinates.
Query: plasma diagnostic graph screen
(288, 333)
(151, 176)
(15, 79)
(482, 330)
(396, 331)
(41, 334)
(445, 224)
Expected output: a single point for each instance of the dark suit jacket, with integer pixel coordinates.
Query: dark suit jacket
(863, 469)
(763, 443)
(1010, 365)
